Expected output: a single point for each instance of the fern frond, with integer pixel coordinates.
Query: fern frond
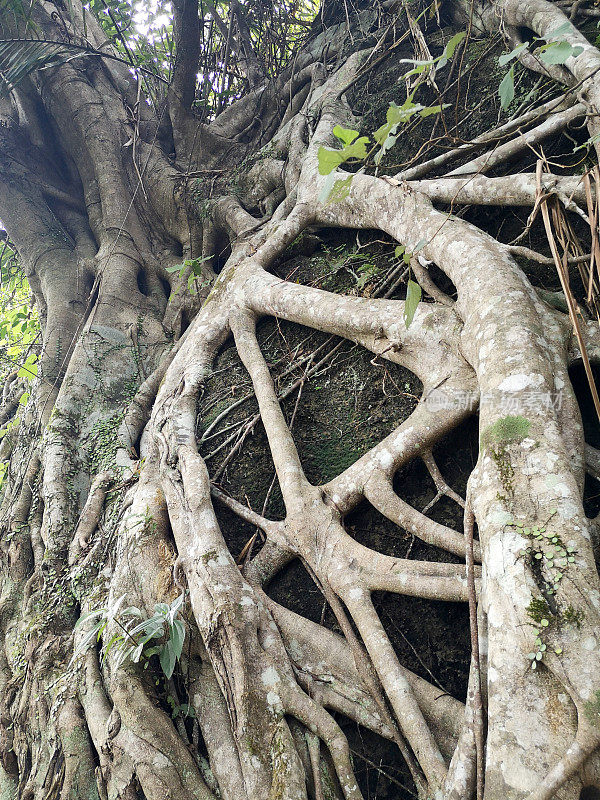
(20, 57)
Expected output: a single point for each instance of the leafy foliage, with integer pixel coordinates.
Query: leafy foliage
(20, 57)
(142, 36)
(19, 323)
(195, 267)
(162, 634)
(355, 148)
(552, 52)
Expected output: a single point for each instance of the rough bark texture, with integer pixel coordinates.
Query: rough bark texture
(117, 491)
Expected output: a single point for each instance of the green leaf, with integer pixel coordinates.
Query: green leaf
(450, 48)
(505, 58)
(413, 297)
(328, 184)
(136, 653)
(544, 623)
(420, 67)
(395, 116)
(131, 611)
(345, 135)
(177, 637)
(558, 52)
(92, 635)
(196, 265)
(506, 90)
(382, 133)
(366, 275)
(329, 160)
(176, 606)
(99, 612)
(20, 57)
(115, 639)
(340, 190)
(30, 368)
(453, 43)
(388, 143)
(428, 111)
(167, 659)
(153, 627)
(356, 150)
(566, 27)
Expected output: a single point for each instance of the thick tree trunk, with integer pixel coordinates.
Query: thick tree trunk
(109, 507)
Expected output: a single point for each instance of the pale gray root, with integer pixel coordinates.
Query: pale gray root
(493, 136)
(560, 119)
(513, 190)
(592, 461)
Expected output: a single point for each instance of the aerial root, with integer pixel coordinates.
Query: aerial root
(22, 506)
(592, 461)
(296, 492)
(398, 690)
(76, 748)
(414, 436)
(443, 490)
(160, 756)
(369, 677)
(478, 713)
(380, 493)
(244, 428)
(213, 716)
(326, 666)
(462, 772)
(428, 285)
(556, 123)
(489, 137)
(314, 749)
(322, 724)
(90, 515)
